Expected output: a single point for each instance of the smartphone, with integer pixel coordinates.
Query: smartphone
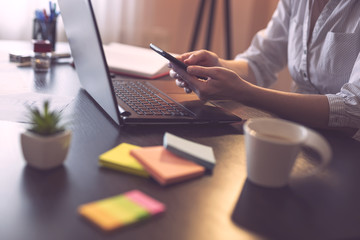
(168, 56)
(171, 58)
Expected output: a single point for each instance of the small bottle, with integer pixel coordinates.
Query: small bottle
(41, 60)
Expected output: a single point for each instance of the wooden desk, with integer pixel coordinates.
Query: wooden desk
(42, 205)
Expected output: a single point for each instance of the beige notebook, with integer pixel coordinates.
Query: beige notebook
(135, 61)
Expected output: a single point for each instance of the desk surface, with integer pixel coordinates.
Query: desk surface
(224, 205)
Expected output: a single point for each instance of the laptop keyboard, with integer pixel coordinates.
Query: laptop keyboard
(145, 101)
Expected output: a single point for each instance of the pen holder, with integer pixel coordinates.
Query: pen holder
(45, 30)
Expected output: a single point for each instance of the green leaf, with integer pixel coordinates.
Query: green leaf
(45, 122)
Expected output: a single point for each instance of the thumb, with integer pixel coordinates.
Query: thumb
(203, 72)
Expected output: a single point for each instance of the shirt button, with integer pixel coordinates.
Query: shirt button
(305, 52)
(305, 75)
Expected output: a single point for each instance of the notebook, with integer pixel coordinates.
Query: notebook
(121, 210)
(135, 61)
(111, 95)
(196, 152)
(119, 158)
(165, 167)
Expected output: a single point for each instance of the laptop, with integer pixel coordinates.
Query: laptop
(128, 101)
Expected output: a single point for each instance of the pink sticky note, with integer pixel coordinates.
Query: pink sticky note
(165, 167)
(150, 204)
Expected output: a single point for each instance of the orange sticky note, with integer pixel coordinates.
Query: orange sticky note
(166, 167)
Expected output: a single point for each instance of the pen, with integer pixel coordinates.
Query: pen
(45, 15)
(39, 15)
(54, 8)
(51, 11)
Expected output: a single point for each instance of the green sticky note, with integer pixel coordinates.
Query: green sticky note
(123, 209)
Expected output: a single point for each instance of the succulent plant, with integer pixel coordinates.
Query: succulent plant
(45, 122)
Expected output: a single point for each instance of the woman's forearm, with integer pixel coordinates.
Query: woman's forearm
(311, 110)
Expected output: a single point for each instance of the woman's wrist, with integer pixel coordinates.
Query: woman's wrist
(244, 92)
(241, 67)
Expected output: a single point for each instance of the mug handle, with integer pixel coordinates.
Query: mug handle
(318, 143)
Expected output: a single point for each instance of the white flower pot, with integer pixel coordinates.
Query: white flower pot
(45, 152)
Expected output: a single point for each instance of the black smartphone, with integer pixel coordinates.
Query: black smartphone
(168, 56)
(171, 58)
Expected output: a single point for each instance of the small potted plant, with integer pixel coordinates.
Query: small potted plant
(45, 144)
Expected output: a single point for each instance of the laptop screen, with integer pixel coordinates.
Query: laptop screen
(86, 48)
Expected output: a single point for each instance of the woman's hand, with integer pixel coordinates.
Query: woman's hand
(221, 83)
(201, 58)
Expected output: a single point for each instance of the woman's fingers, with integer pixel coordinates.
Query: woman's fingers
(180, 83)
(187, 90)
(211, 72)
(173, 74)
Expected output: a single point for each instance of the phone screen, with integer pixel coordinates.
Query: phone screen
(168, 56)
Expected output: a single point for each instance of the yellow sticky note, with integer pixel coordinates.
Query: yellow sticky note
(119, 158)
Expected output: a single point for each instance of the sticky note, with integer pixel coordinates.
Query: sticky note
(165, 167)
(121, 210)
(196, 152)
(151, 205)
(119, 158)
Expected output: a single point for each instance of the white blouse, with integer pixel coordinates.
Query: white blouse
(327, 64)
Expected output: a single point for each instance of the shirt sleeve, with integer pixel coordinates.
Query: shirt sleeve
(267, 53)
(345, 105)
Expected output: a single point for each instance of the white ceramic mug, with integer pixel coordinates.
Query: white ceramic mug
(272, 146)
